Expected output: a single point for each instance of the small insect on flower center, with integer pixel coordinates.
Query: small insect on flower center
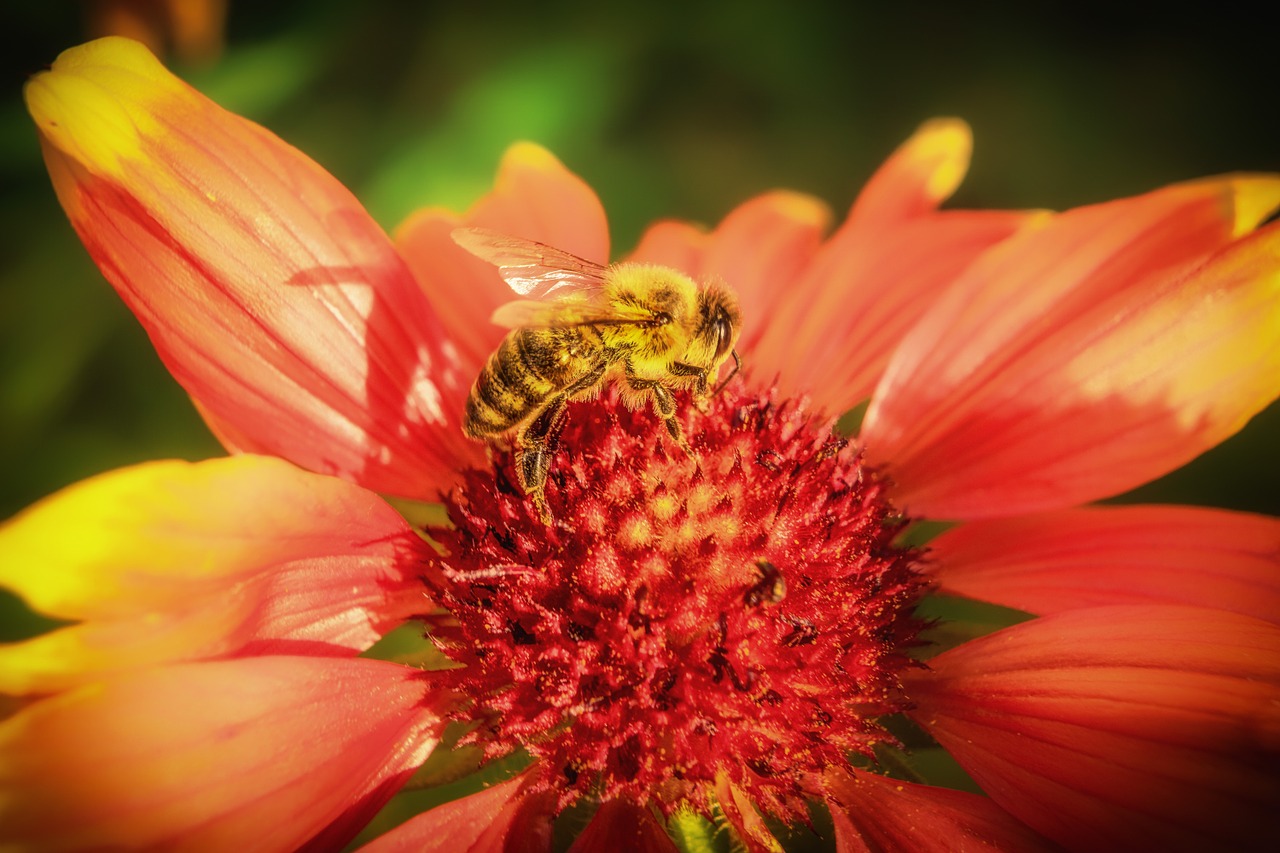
(740, 614)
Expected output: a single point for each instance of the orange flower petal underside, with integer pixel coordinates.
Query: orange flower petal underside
(1095, 556)
(265, 752)
(268, 291)
(178, 561)
(842, 318)
(498, 818)
(874, 813)
(618, 825)
(1085, 357)
(1127, 727)
(534, 197)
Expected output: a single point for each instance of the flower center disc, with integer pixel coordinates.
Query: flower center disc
(741, 614)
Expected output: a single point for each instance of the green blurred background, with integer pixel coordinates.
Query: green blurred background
(677, 109)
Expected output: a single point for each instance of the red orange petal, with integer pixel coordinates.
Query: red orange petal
(499, 818)
(1093, 556)
(268, 753)
(761, 247)
(1127, 727)
(740, 813)
(835, 332)
(680, 245)
(1083, 358)
(618, 825)
(268, 291)
(874, 813)
(178, 561)
(534, 197)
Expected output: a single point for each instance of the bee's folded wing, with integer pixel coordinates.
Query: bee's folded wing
(526, 313)
(530, 268)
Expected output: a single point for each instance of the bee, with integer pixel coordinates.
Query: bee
(650, 329)
(769, 589)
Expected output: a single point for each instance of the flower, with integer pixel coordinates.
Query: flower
(726, 636)
(192, 29)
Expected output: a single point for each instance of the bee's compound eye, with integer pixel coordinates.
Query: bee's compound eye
(724, 332)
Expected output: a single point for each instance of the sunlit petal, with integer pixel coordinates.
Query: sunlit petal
(268, 291)
(267, 753)
(1087, 356)
(1093, 556)
(1128, 727)
(173, 561)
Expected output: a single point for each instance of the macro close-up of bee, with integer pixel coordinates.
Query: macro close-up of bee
(650, 329)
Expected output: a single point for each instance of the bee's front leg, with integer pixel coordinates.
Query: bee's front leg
(701, 383)
(701, 386)
(663, 403)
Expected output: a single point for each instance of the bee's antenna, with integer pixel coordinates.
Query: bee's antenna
(737, 365)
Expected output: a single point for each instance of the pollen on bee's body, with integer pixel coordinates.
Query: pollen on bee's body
(692, 613)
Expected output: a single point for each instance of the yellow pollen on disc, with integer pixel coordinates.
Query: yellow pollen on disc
(635, 532)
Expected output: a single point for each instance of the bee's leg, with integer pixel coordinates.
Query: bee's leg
(535, 446)
(663, 403)
(702, 387)
(536, 443)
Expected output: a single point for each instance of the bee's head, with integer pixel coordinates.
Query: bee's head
(724, 329)
(719, 322)
(719, 326)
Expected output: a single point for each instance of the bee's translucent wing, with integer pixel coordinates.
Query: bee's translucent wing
(523, 313)
(531, 269)
(569, 309)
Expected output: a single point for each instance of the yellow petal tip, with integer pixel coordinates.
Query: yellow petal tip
(802, 208)
(530, 155)
(944, 144)
(98, 99)
(1256, 198)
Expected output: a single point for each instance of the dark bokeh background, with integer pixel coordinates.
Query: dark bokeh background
(667, 109)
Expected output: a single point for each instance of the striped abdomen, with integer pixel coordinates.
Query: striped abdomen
(527, 369)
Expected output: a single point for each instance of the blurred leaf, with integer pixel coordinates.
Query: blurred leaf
(257, 80)
(551, 93)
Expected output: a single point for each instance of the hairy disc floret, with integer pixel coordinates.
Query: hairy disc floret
(740, 615)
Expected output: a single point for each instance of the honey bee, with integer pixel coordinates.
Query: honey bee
(650, 329)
